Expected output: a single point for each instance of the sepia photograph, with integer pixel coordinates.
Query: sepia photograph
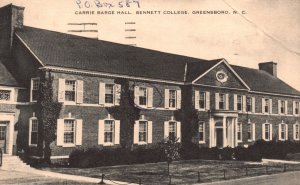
(133, 92)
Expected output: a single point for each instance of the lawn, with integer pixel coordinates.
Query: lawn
(182, 172)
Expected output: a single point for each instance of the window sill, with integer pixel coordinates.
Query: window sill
(201, 142)
(108, 144)
(69, 103)
(68, 145)
(32, 145)
(239, 141)
(142, 143)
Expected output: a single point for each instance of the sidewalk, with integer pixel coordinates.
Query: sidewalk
(288, 178)
(34, 176)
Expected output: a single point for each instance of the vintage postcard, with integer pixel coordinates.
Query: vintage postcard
(149, 92)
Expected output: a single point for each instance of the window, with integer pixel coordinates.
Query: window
(267, 131)
(172, 99)
(296, 131)
(249, 104)
(70, 89)
(142, 96)
(222, 101)
(69, 131)
(143, 131)
(5, 95)
(266, 105)
(35, 83)
(239, 103)
(239, 131)
(172, 130)
(33, 131)
(202, 100)
(297, 108)
(282, 107)
(108, 131)
(282, 131)
(2, 132)
(109, 93)
(249, 132)
(201, 132)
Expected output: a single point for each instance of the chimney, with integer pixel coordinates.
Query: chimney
(11, 17)
(270, 67)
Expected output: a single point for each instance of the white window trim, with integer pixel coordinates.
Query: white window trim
(178, 129)
(252, 125)
(31, 88)
(202, 141)
(280, 130)
(270, 107)
(66, 145)
(114, 95)
(202, 109)
(115, 131)
(12, 95)
(240, 140)
(148, 132)
(30, 131)
(294, 108)
(75, 96)
(173, 108)
(270, 131)
(294, 132)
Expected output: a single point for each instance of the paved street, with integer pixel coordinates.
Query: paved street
(289, 178)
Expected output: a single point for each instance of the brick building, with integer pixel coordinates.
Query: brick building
(234, 105)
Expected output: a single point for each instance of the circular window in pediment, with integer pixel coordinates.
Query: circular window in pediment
(221, 76)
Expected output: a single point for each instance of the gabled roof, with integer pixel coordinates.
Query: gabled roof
(56, 49)
(261, 81)
(65, 50)
(6, 78)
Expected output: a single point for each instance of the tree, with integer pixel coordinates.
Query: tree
(171, 148)
(49, 113)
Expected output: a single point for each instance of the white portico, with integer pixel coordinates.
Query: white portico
(223, 129)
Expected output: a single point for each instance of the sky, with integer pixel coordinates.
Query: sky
(261, 31)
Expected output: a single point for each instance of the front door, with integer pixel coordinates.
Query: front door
(219, 137)
(3, 128)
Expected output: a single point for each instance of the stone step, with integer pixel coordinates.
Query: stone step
(13, 163)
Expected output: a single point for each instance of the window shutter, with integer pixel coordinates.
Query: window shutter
(167, 96)
(263, 104)
(61, 90)
(101, 132)
(136, 132)
(235, 101)
(178, 99)
(178, 130)
(101, 93)
(271, 106)
(294, 107)
(244, 103)
(79, 91)
(118, 91)
(149, 132)
(78, 140)
(30, 129)
(253, 104)
(60, 132)
(117, 132)
(217, 101)
(286, 107)
(263, 131)
(136, 95)
(279, 106)
(279, 131)
(286, 132)
(166, 129)
(207, 99)
(294, 131)
(271, 132)
(150, 97)
(253, 131)
(197, 98)
(227, 101)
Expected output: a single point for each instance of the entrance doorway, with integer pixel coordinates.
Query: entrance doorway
(219, 137)
(3, 131)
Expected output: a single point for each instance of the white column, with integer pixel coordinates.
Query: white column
(211, 133)
(235, 132)
(224, 132)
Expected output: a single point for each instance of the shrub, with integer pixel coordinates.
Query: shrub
(247, 154)
(226, 153)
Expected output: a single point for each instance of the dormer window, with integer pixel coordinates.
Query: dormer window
(5, 95)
